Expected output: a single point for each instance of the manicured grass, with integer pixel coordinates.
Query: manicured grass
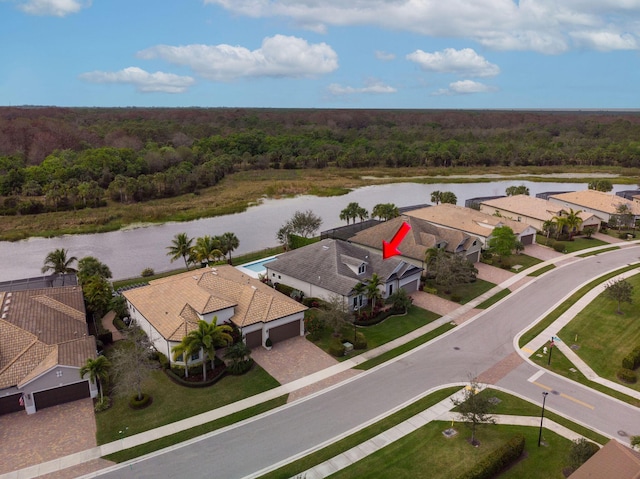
(543, 270)
(427, 449)
(172, 402)
(466, 292)
(523, 260)
(494, 299)
(551, 317)
(561, 365)
(179, 437)
(359, 437)
(384, 357)
(593, 253)
(391, 328)
(604, 337)
(581, 243)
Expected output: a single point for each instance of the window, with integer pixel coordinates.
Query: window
(519, 218)
(195, 356)
(362, 268)
(180, 359)
(355, 302)
(390, 289)
(58, 374)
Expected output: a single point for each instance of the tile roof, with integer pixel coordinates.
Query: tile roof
(531, 206)
(333, 264)
(422, 236)
(598, 200)
(173, 305)
(41, 329)
(613, 460)
(466, 219)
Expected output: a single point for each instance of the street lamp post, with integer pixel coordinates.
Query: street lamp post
(544, 398)
(551, 345)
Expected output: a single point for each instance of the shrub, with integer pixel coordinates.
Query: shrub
(490, 465)
(336, 348)
(632, 360)
(429, 290)
(135, 403)
(297, 295)
(238, 368)
(456, 298)
(312, 302)
(119, 324)
(284, 289)
(102, 404)
(580, 452)
(360, 342)
(559, 246)
(147, 272)
(163, 360)
(314, 324)
(627, 375)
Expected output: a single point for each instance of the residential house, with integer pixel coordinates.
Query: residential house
(473, 222)
(613, 460)
(333, 268)
(169, 308)
(601, 204)
(422, 236)
(44, 341)
(534, 211)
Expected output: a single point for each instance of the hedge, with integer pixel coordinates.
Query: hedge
(240, 367)
(135, 403)
(627, 375)
(284, 289)
(296, 241)
(632, 360)
(559, 246)
(496, 461)
(336, 348)
(190, 384)
(379, 317)
(360, 342)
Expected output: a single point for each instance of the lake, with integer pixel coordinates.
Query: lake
(127, 252)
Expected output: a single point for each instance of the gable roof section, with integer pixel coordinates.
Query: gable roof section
(468, 220)
(422, 236)
(333, 265)
(598, 200)
(613, 460)
(173, 305)
(532, 207)
(42, 329)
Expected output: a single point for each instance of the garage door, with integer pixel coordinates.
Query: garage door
(254, 339)
(52, 397)
(10, 404)
(410, 287)
(285, 331)
(474, 257)
(525, 240)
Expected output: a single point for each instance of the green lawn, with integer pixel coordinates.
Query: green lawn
(494, 299)
(605, 337)
(428, 453)
(381, 333)
(523, 260)
(578, 243)
(543, 270)
(466, 292)
(172, 402)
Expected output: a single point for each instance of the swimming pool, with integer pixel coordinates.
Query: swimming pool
(255, 267)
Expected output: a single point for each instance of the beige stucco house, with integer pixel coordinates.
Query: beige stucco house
(603, 205)
(534, 211)
(168, 308)
(44, 342)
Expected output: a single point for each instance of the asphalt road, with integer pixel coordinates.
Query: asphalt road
(468, 350)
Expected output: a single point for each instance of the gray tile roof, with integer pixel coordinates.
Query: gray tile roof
(333, 265)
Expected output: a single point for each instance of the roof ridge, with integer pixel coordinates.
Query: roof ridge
(20, 354)
(59, 306)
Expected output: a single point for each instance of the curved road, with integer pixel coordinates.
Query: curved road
(468, 350)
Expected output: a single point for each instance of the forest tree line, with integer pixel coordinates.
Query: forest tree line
(60, 158)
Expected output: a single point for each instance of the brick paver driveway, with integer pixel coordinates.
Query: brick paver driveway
(50, 433)
(296, 358)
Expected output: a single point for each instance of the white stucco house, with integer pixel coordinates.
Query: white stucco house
(334, 267)
(603, 205)
(168, 308)
(44, 342)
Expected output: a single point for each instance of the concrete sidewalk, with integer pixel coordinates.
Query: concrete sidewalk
(147, 436)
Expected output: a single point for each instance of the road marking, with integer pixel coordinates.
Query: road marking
(536, 376)
(528, 351)
(566, 396)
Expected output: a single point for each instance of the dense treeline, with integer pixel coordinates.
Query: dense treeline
(59, 158)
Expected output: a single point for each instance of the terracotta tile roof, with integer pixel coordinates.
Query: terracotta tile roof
(532, 207)
(465, 219)
(422, 236)
(613, 460)
(598, 200)
(41, 329)
(333, 264)
(174, 304)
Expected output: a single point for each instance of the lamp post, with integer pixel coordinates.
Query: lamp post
(355, 318)
(551, 345)
(544, 398)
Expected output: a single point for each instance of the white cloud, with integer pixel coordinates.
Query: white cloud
(465, 87)
(384, 56)
(56, 8)
(605, 41)
(540, 25)
(372, 86)
(462, 62)
(142, 80)
(279, 56)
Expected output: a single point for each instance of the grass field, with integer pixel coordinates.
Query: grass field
(466, 291)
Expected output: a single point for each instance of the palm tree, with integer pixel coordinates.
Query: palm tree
(180, 248)
(363, 214)
(359, 289)
(573, 222)
(373, 292)
(205, 338)
(436, 197)
(547, 226)
(229, 242)
(205, 249)
(560, 222)
(98, 370)
(58, 262)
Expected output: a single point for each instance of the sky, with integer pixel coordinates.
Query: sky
(473, 54)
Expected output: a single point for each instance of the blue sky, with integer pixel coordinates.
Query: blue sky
(321, 53)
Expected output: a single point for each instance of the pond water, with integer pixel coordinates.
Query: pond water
(128, 252)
